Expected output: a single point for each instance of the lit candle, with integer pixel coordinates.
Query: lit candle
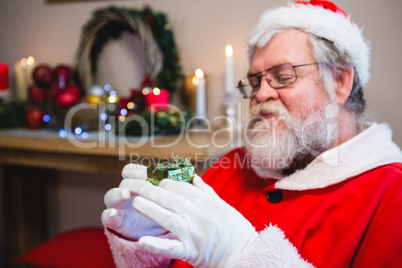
(4, 82)
(23, 77)
(31, 64)
(229, 70)
(157, 99)
(201, 94)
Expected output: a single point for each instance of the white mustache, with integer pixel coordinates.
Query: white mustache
(259, 111)
(268, 107)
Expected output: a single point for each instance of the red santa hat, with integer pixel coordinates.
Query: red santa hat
(323, 19)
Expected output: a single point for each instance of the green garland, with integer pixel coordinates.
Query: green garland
(164, 122)
(170, 71)
(12, 115)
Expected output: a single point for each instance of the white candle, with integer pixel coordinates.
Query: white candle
(230, 87)
(31, 64)
(201, 94)
(23, 77)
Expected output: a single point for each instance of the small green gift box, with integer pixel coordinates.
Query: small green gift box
(179, 170)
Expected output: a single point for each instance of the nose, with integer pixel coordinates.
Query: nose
(266, 92)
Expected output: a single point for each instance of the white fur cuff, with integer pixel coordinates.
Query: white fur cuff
(127, 254)
(270, 249)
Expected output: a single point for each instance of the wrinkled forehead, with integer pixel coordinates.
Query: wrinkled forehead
(287, 46)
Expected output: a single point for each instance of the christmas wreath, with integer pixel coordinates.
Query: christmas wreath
(152, 29)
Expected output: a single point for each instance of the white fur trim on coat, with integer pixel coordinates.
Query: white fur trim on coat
(270, 249)
(316, 20)
(369, 149)
(127, 254)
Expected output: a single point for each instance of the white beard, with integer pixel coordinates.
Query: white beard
(275, 145)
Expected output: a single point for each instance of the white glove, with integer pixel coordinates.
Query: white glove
(210, 232)
(120, 215)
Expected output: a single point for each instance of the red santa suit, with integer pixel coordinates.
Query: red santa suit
(343, 209)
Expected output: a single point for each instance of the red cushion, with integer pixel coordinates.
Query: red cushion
(82, 247)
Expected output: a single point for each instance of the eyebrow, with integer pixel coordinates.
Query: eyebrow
(253, 73)
(249, 73)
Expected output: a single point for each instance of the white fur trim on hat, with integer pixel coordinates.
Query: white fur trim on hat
(321, 22)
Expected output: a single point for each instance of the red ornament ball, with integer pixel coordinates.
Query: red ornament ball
(74, 90)
(34, 118)
(63, 70)
(37, 94)
(42, 75)
(68, 97)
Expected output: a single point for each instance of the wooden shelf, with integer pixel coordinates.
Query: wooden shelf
(47, 150)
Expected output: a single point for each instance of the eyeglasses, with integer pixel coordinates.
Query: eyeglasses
(277, 77)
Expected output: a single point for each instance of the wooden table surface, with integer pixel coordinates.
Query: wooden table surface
(48, 150)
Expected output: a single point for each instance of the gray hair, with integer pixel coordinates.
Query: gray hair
(325, 51)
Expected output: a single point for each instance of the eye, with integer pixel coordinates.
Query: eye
(284, 79)
(254, 82)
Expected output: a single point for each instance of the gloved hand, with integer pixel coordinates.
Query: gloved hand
(120, 215)
(210, 232)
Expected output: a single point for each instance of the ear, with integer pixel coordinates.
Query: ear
(343, 83)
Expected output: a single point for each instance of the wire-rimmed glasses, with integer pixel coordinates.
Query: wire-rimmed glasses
(277, 77)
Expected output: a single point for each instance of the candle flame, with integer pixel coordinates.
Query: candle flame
(195, 80)
(23, 61)
(229, 51)
(156, 91)
(30, 60)
(199, 73)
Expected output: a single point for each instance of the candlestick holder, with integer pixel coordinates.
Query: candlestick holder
(5, 96)
(199, 123)
(230, 111)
